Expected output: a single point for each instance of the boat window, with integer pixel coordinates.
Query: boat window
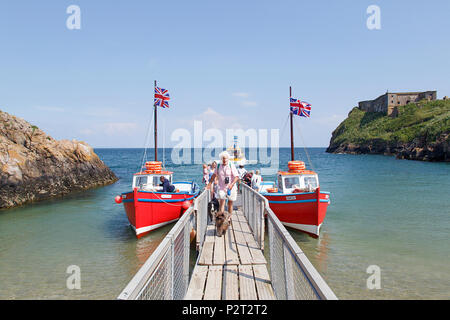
(280, 182)
(140, 181)
(291, 182)
(310, 181)
(157, 181)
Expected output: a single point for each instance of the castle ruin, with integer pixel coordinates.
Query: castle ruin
(389, 102)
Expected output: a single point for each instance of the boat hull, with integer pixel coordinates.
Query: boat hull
(302, 211)
(147, 211)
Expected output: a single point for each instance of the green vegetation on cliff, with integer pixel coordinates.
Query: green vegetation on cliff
(418, 125)
(415, 120)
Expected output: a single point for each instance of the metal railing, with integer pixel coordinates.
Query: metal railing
(292, 274)
(253, 206)
(165, 275)
(201, 215)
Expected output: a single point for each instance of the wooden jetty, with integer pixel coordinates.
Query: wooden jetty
(236, 266)
(231, 267)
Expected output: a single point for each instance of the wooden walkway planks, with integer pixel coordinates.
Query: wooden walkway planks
(213, 281)
(263, 284)
(247, 284)
(255, 251)
(197, 284)
(231, 267)
(241, 243)
(230, 289)
(231, 253)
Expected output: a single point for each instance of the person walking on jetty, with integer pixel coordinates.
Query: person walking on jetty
(256, 181)
(241, 170)
(212, 169)
(205, 174)
(227, 176)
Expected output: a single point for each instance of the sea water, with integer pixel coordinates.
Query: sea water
(389, 213)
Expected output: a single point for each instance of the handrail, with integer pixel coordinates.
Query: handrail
(173, 283)
(165, 274)
(285, 252)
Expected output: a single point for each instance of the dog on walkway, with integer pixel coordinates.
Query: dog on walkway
(213, 208)
(222, 223)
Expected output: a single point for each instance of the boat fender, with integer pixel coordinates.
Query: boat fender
(186, 205)
(118, 199)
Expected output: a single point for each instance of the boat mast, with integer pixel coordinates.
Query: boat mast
(156, 129)
(292, 131)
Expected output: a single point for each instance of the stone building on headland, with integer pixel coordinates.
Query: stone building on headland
(389, 102)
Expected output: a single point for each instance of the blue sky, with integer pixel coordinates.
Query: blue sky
(228, 63)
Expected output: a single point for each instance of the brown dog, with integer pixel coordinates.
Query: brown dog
(222, 223)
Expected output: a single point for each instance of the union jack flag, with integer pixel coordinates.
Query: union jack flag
(300, 108)
(161, 97)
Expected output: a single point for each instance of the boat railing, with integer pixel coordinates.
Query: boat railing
(292, 274)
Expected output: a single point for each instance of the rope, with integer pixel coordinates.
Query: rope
(168, 203)
(164, 143)
(146, 143)
(284, 127)
(304, 146)
(145, 155)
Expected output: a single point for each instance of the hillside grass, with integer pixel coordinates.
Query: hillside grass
(426, 120)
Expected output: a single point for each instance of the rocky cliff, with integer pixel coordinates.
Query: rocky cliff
(420, 132)
(34, 166)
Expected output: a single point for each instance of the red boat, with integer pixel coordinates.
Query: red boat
(296, 198)
(147, 207)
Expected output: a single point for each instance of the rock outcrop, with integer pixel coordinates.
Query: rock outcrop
(418, 149)
(420, 132)
(34, 166)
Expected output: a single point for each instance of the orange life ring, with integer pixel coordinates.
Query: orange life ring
(153, 163)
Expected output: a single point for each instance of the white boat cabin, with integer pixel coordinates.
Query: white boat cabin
(287, 183)
(151, 182)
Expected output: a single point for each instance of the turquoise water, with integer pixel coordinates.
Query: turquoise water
(386, 212)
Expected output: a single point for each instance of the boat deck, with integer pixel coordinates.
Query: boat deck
(231, 267)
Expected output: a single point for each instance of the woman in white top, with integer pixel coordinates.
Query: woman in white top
(241, 170)
(256, 181)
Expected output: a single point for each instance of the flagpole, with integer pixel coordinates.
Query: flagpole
(292, 132)
(156, 128)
